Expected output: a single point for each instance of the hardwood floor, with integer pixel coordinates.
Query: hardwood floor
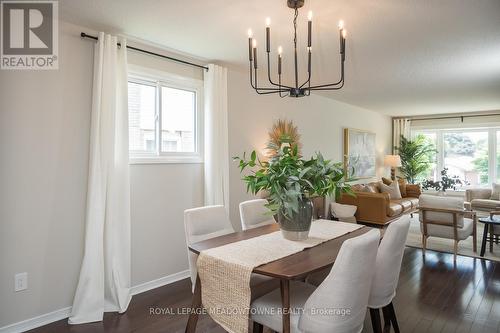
(434, 295)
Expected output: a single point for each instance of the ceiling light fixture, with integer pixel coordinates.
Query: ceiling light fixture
(296, 90)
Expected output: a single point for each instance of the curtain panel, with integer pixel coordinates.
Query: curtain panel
(400, 126)
(216, 137)
(104, 283)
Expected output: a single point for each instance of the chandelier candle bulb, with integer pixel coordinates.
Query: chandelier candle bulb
(341, 25)
(250, 44)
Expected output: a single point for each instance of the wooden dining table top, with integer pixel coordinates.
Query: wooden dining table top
(292, 267)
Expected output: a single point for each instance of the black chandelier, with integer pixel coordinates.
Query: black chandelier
(297, 90)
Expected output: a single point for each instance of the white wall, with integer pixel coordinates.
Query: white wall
(320, 121)
(44, 138)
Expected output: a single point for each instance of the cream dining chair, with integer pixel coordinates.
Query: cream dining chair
(203, 223)
(337, 305)
(212, 221)
(387, 269)
(254, 213)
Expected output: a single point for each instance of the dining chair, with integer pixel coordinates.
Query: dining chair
(386, 277)
(203, 223)
(254, 213)
(445, 217)
(207, 222)
(337, 305)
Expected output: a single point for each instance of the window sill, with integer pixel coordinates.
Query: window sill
(166, 160)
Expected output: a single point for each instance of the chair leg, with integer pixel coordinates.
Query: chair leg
(375, 317)
(455, 250)
(474, 239)
(257, 327)
(491, 240)
(394, 320)
(424, 244)
(387, 319)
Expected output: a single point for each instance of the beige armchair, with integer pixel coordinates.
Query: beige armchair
(446, 217)
(480, 199)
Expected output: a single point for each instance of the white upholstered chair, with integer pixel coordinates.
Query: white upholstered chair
(212, 221)
(386, 277)
(444, 217)
(345, 289)
(253, 214)
(203, 223)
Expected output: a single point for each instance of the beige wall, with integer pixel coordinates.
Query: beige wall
(44, 138)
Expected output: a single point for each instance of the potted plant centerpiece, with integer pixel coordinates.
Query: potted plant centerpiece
(290, 182)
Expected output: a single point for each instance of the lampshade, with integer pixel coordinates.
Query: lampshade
(394, 161)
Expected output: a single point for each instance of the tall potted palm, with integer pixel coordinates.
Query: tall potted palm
(291, 182)
(416, 157)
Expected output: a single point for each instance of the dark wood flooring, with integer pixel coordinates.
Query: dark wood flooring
(434, 295)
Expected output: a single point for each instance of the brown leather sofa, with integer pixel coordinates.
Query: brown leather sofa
(375, 207)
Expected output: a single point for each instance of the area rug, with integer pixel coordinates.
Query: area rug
(446, 245)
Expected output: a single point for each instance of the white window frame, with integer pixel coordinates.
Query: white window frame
(492, 147)
(160, 79)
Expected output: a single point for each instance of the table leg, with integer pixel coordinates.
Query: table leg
(483, 243)
(195, 307)
(285, 303)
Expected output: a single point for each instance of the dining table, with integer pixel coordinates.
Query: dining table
(293, 267)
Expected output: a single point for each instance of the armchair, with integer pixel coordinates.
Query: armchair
(446, 217)
(480, 199)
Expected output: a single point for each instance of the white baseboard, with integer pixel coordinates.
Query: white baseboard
(60, 314)
(38, 321)
(163, 281)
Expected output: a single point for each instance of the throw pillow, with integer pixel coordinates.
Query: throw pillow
(386, 181)
(393, 190)
(495, 193)
(402, 187)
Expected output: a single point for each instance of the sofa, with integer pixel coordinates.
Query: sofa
(374, 207)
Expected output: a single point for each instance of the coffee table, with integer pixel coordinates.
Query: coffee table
(487, 221)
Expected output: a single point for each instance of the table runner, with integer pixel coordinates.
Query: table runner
(225, 271)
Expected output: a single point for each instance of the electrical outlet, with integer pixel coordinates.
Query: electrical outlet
(21, 281)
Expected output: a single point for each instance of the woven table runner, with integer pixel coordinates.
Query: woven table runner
(225, 271)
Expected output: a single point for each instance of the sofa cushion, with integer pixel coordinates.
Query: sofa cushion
(414, 202)
(395, 209)
(406, 204)
(392, 189)
(433, 201)
(485, 203)
(447, 232)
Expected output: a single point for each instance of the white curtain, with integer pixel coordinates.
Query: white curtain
(104, 283)
(401, 126)
(216, 137)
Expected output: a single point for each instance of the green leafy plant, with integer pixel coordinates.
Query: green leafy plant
(416, 157)
(444, 184)
(288, 178)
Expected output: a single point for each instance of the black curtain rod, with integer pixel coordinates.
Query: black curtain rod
(451, 117)
(84, 35)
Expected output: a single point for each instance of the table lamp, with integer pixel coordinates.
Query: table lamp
(393, 161)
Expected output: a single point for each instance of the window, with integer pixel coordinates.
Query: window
(164, 120)
(470, 154)
(466, 156)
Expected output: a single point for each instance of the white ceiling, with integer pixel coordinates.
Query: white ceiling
(405, 57)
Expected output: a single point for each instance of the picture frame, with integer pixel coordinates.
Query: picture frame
(360, 154)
